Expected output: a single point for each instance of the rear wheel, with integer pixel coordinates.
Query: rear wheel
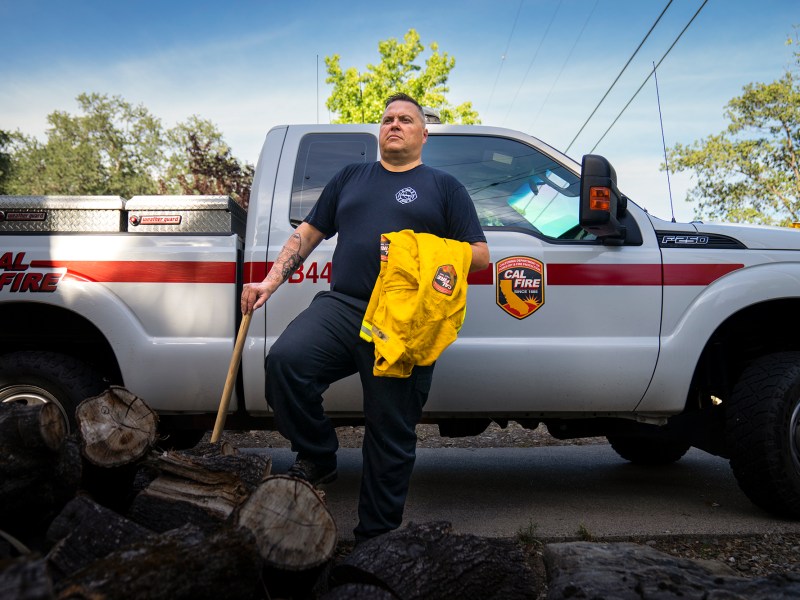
(763, 433)
(41, 377)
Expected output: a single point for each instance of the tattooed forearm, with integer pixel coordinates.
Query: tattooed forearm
(288, 260)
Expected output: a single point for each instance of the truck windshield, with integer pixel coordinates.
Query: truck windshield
(512, 184)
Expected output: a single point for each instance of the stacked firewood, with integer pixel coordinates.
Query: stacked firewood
(104, 514)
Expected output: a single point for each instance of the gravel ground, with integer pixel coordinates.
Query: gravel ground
(746, 556)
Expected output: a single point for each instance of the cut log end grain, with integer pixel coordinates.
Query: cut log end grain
(293, 527)
(32, 426)
(116, 427)
(52, 426)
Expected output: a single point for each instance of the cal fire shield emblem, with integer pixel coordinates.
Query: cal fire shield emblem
(445, 279)
(520, 285)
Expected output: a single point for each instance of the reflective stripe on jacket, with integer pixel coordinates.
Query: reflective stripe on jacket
(419, 300)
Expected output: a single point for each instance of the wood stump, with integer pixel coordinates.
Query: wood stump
(40, 469)
(31, 426)
(85, 532)
(26, 578)
(116, 428)
(183, 563)
(293, 527)
(430, 562)
(201, 486)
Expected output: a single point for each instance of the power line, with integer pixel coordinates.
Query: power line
(589, 118)
(563, 65)
(535, 54)
(624, 108)
(505, 53)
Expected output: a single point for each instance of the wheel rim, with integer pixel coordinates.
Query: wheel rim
(794, 436)
(31, 395)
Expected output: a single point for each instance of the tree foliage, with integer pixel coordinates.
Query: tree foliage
(203, 164)
(115, 148)
(5, 160)
(359, 97)
(750, 172)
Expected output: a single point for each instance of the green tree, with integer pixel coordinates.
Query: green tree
(201, 163)
(5, 159)
(359, 97)
(115, 148)
(111, 148)
(750, 172)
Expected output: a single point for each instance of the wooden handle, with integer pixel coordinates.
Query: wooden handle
(230, 380)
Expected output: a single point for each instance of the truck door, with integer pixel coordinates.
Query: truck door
(310, 157)
(560, 322)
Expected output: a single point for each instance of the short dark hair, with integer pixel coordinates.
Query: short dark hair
(401, 97)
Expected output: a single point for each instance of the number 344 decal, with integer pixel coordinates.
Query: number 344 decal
(313, 272)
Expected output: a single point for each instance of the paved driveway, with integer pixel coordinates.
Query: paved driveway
(559, 490)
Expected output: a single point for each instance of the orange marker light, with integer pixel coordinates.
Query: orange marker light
(600, 198)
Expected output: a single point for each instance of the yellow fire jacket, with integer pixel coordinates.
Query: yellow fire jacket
(419, 301)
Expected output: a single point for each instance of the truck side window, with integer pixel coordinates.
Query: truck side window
(512, 184)
(320, 157)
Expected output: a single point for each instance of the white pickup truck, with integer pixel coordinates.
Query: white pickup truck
(594, 317)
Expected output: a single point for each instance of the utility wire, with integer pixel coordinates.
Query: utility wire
(505, 54)
(535, 54)
(624, 108)
(563, 65)
(608, 91)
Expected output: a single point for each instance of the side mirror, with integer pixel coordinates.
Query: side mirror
(601, 204)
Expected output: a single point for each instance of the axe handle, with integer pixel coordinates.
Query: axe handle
(230, 380)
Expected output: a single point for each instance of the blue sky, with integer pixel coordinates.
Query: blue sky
(540, 66)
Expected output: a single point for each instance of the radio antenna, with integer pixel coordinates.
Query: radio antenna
(664, 144)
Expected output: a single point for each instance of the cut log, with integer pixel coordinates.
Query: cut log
(32, 426)
(26, 578)
(201, 486)
(358, 591)
(293, 527)
(430, 562)
(40, 469)
(85, 532)
(183, 563)
(116, 428)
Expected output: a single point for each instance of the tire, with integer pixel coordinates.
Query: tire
(649, 448)
(39, 377)
(763, 435)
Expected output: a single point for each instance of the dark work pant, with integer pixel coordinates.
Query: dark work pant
(319, 347)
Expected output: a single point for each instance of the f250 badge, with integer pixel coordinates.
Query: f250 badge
(520, 285)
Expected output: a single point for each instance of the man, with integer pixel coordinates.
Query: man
(322, 344)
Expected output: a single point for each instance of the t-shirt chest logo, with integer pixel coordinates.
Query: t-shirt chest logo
(406, 195)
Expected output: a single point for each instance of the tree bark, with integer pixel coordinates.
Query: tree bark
(40, 469)
(183, 563)
(85, 532)
(293, 527)
(26, 578)
(116, 428)
(35, 426)
(201, 486)
(430, 562)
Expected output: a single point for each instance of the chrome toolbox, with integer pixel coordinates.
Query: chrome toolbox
(57, 214)
(185, 214)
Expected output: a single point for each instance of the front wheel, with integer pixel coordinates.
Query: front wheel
(42, 377)
(763, 433)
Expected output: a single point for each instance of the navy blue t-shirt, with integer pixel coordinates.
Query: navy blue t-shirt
(365, 200)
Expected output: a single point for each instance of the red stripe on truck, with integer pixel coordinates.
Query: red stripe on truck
(674, 274)
(136, 271)
(590, 274)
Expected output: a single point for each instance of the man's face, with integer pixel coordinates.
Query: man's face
(402, 133)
